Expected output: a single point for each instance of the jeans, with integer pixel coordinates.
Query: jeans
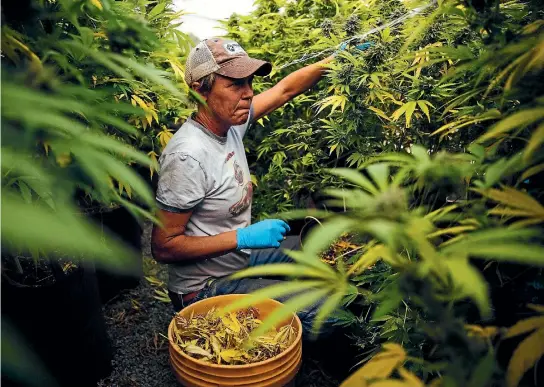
(221, 286)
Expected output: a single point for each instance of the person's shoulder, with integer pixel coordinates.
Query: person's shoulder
(186, 141)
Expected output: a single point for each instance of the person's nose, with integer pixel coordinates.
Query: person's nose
(248, 91)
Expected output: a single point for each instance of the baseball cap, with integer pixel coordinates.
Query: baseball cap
(224, 57)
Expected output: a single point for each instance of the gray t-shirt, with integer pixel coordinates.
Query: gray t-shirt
(209, 175)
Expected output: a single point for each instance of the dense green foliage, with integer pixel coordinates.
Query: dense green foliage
(88, 88)
(442, 120)
(384, 99)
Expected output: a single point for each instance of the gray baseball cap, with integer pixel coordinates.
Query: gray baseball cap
(224, 57)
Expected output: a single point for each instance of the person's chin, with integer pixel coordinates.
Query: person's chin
(241, 118)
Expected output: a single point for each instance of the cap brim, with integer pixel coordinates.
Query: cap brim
(243, 67)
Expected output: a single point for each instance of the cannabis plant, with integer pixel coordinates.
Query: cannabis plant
(86, 86)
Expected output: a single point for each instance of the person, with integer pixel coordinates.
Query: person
(204, 190)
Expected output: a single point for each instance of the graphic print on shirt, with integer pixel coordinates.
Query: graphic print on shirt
(247, 192)
(229, 156)
(238, 174)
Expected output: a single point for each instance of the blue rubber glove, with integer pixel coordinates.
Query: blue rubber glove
(359, 47)
(364, 46)
(262, 235)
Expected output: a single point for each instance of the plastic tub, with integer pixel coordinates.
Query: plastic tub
(274, 372)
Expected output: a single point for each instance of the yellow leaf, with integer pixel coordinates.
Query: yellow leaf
(525, 357)
(154, 164)
(399, 112)
(506, 211)
(536, 308)
(466, 121)
(437, 214)
(231, 322)
(451, 231)
(424, 108)
(97, 4)
(368, 258)
(178, 69)
(409, 111)
(531, 172)
(155, 116)
(530, 61)
(154, 281)
(533, 27)
(380, 113)
(410, 378)
(517, 120)
(355, 380)
(35, 62)
(536, 140)
(164, 136)
(140, 102)
(229, 354)
(334, 101)
(525, 326)
(484, 332)
(467, 281)
(514, 198)
(379, 367)
(126, 188)
(525, 223)
(254, 180)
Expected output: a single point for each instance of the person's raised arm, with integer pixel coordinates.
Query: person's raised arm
(288, 88)
(295, 83)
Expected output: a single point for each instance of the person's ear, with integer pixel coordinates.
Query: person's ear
(196, 87)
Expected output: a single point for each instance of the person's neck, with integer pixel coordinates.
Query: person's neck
(211, 122)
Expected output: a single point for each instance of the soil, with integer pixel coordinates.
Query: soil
(137, 325)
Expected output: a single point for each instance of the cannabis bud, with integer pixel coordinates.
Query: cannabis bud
(327, 28)
(352, 25)
(376, 54)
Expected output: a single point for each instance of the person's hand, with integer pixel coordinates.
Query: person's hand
(261, 235)
(360, 47)
(363, 46)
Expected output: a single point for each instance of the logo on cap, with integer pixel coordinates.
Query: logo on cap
(233, 48)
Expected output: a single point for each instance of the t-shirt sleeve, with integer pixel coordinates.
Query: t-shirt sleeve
(182, 183)
(242, 129)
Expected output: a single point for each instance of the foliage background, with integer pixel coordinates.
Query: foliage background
(90, 90)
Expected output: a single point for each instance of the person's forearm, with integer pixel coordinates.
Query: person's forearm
(304, 78)
(181, 248)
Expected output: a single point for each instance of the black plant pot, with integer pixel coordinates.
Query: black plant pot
(120, 224)
(63, 326)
